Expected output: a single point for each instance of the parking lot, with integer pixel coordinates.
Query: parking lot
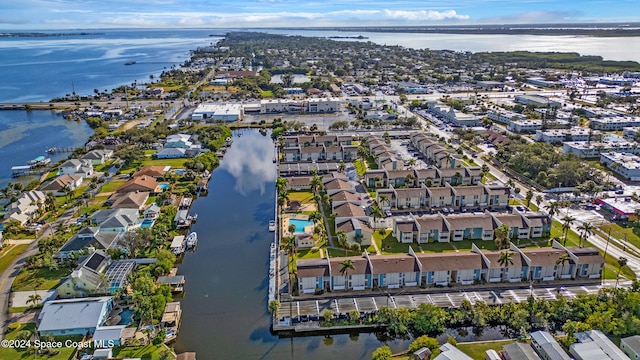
(311, 310)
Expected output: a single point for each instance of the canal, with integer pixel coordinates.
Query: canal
(224, 306)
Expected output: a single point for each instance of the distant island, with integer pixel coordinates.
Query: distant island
(360, 37)
(596, 30)
(39, 34)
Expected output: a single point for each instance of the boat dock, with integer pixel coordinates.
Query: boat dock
(57, 150)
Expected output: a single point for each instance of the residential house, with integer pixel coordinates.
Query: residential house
(376, 178)
(547, 347)
(87, 278)
(107, 335)
(343, 278)
(171, 153)
(312, 153)
(433, 228)
(78, 167)
(471, 226)
(26, 207)
(291, 154)
(594, 345)
(428, 177)
(588, 262)
(390, 163)
(518, 225)
(410, 198)
(182, 141)
(333, 153)
(450, 352)
(98, 157)
(440, 197)
(349, 152)
(394, 271)
(498, 195)
(445, 268)
(631, 346)
(128, 200)
(140, 184)
(398, 178)
(171, 315)
(347, 211)
(543, 263)
(313, 274)
(495, 272)
(470, 196)
(153, 171)
(357, 231)
(519, 351)
(343, 197)
(152, 211)
(405, 229)
(299, 183)
(62, 183)
(89, 238)
(74, 316)
(333, 186)
(116, 220)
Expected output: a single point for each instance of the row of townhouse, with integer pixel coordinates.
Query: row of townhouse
(458, 197)
(594, 149)
(312, 105)
(475, 226)
(435, 151)
(316, 140)
(418, 177)
(562, 135)
(349, 209)
(614, 123)
(442, 269)
(320, 153)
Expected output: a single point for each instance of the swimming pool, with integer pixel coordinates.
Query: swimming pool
(126, 317)
(300, 224)
(147, 223)
(163, 186)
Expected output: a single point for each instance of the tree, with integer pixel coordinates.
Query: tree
(316, 217)
(344, 271)
(562, 260)
(586, 230)
(50, 201)
(328, 315)
(274, 305)
(423, 341)
(34, 299)
(622, 261)
(382, 353)
(538, 200)
(502, 236)
(552, 208)
(528, 196)
(505, 259)
(567, 221)
(342, 240)
(341, 167)
(376, 213)
(383, 199)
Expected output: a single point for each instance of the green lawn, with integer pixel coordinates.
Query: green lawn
(174, 163)
(308, 254)
(339, 252)
(104, 167)
(8, 254)
(144, 352)
(6, 353)
(481, 244)
(360, 168)
(619, 232)
(302, 196)
(477, 349)
(38, 279)
(112, 185)
(436, 247)
(371, 163)
(390, 245)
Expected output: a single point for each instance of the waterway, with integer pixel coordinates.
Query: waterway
(225, 302)
(25, 135)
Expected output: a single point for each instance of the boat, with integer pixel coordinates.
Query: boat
(130, 63)
(228, 141)
(192, 239)
(272, 225)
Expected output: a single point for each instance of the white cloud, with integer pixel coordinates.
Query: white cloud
(425, 15)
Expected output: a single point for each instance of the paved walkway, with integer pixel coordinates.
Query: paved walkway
(19, 242)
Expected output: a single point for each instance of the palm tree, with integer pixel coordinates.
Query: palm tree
(457, 177)
(341, 167)
(505, 259)
(344, 271)
(553, 208)
(538, 200)
(622, 261)
(316, 183)
(343, 240)
(50, 201)
(567, 221)
(586, 230)
(502, 236)
(563, 259)
(412, 162)
(529, 196)
(316, 217)
(34, 299)
(408, 180)
(281, 184)
(383, 198)
(376, 213)
(511, 183)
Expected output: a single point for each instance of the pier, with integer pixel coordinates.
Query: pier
(26, 170)
(57, 150)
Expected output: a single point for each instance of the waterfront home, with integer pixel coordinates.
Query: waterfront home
(313, 274)
(178, 244)
(156, 171)
(291, 154)
(171, 316)
(495, 272)
(182, 141)
(26, 207)
(450, 352)
(105, 335)
(78, 167)
(394, 271)
(87, 278)
(357, 231)
(519, 351)
(171, 153)
(176, 282)
(152, 211)
(88, 237)
(128, 200)
(116, 220)
(74, 316)
(546, 346)
(357, 278)
(140, 184)
(441, 269)
(61, 183)
(98, 157)
(299, 183)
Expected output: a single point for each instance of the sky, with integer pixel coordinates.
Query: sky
(88, 14)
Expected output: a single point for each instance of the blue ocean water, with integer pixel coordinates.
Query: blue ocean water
(40, 68)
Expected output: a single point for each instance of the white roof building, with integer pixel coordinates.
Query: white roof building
(74, 316)
(624, 164)
(218, 112)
